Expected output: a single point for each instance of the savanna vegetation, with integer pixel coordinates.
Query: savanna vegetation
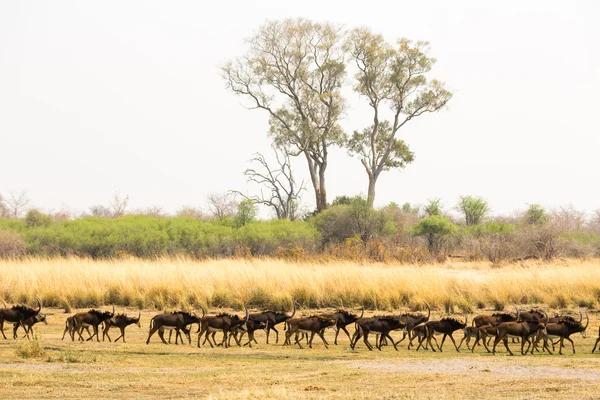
(349, 229)
(267, 283)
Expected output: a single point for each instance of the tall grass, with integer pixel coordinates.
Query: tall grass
(173, 282)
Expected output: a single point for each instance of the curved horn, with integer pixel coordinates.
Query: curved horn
(466, 318)
(545, 316)
(113, 311)
(580, 316)
(428, 310)
(518, 313)
(293, 312)
(3, 302)
(588, 320)
(247, 317)
(362, 311)
(203, 311)
(39, 305)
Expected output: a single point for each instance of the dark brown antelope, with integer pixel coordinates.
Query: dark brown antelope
(29, 323)
(92, 318)
(176, 320)
(523, 330)
(446, 327)
(494, 319)
(420, 333)
(412, 320)
(597, 341)
(220, 323)
(18, 314)
(562, 330)
(71, 327)
(250, 327)
(532, 315)
(121, 321)
(315, 325)
(470, 332)
(272, 318)
(485, 332)
(555, 319)
(380, 325)
(185, 331)
(342, 319)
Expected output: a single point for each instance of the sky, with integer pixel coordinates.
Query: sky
(115, 96)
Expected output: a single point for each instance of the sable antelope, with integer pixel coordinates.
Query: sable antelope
(420, 333)
(483, 333)
(272, 318)
(221, 323)
(121, 321)
(532, 315)
(381, 325)
(494, 319)
(412, 320)
(445, 326)
(523, 330)
(186, 331)
(597, 341)
(18, 314)
(562, 330)
(91, 318)
(468, 333)
(71, 327)
(29, 323)
(250, 327)
(342, 319)
(178, 320)
(315, 324)
(555, 319)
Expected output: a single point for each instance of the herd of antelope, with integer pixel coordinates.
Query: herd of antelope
(528, 327)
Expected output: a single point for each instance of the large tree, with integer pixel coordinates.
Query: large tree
(394, 81)
(294, 70)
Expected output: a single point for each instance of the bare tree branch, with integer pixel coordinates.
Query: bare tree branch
(281, 193)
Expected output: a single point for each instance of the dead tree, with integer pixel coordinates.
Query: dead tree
(282, 194)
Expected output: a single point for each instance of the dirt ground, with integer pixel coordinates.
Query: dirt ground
(65, 369)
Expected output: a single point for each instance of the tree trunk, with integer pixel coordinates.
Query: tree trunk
(322, 200)
(317, 178)
(371, 190)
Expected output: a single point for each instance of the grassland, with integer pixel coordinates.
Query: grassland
(51, 368)
(167, 282)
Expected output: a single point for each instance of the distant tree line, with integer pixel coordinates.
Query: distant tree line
(348, 229)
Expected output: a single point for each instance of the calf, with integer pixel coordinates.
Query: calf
(29, 323)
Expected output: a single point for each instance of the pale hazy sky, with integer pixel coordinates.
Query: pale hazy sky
(126, 95)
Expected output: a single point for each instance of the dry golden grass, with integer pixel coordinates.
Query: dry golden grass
(75, 282)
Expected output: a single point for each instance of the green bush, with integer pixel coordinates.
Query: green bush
(37, 218)
(354, 217)
(435, 229)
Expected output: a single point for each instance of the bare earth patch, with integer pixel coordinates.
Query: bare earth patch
(461, 366)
